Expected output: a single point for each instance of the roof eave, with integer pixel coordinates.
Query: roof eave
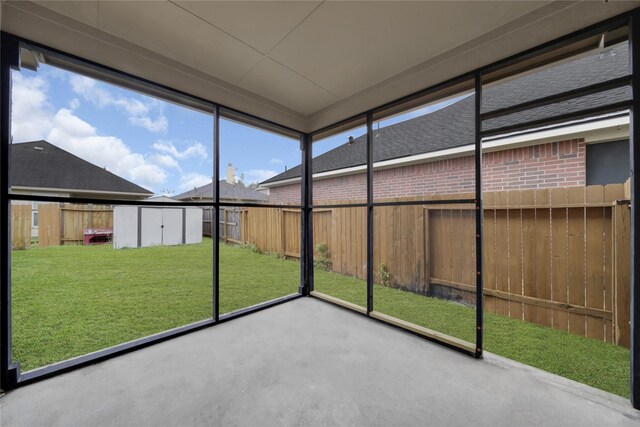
(594, 130)
(78, 190)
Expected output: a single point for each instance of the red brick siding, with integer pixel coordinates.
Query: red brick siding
(557, 164)
(286, 194)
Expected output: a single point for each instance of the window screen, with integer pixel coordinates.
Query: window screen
(608, 163)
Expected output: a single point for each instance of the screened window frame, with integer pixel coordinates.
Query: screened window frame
(9, 372)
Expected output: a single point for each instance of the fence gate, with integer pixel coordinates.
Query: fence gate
(230, 223)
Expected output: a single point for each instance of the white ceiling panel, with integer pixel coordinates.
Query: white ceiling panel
(346, 47)
(259, 24)
(168, 29)
(278, 83)
(84, 11)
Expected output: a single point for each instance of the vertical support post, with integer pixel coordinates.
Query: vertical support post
(479, 215)
(306, 244)
(9, 59)
(215, 222)
(369, 212)
(634, 147)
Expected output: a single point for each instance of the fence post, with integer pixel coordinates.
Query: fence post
(226, 220)
(283, 234)
(621, 270)
(427, 251)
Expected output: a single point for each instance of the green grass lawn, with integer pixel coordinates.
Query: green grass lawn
(73, 300)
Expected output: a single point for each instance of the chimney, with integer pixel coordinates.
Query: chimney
(231, 174)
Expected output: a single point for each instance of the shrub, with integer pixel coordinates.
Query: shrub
(322, 260)
(385, 276)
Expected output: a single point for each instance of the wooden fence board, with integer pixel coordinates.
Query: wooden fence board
(594, 289)
(501, 261)
(612, 193)
(529, 253)
(49, 220)
(419, 279)
(20, 226)
(622, 276)
(514, 255)
(489, 252)
(576, 269)
(559, 257)
(543, 255)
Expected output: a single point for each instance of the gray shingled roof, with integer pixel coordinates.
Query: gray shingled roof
(227, 192)
(453, 126)
(39, 164)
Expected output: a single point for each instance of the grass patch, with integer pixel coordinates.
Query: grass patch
(68, 301)
(72, 300)
(598, 364)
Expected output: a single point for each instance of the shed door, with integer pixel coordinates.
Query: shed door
(172, 220)
(151, 227)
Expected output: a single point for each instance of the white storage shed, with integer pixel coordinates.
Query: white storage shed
(142, 226)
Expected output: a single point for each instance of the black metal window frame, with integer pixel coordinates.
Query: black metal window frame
(633, 79)
(10, 375)
(9, 372)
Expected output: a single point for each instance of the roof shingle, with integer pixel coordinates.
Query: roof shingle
(40, 164)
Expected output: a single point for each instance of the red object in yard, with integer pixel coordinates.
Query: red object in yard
(97, 236)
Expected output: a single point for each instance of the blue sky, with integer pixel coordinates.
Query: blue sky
(160, 146)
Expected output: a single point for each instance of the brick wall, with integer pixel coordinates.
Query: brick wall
(286, 194)
(557, 164)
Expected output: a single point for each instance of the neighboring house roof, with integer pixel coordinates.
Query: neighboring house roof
(453, 126)
(227, 192)
(41, 165)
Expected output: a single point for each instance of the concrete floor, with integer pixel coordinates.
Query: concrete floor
(309, 363)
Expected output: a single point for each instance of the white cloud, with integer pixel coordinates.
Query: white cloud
(159, 125)
(139, 112)
(167, 161)
(31, 113)
(73, 134)
(193, 180)
(258, 175)
(74, 104)
(194, 150)
(276, 161)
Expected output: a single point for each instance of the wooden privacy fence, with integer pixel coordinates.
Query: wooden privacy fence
(62, 224)
(272, 230)
(229, 221)
(555, 257)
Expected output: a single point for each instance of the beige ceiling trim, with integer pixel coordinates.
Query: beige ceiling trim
(546, 23)
(52, 29)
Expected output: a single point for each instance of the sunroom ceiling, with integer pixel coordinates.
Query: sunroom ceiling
(301, 64)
